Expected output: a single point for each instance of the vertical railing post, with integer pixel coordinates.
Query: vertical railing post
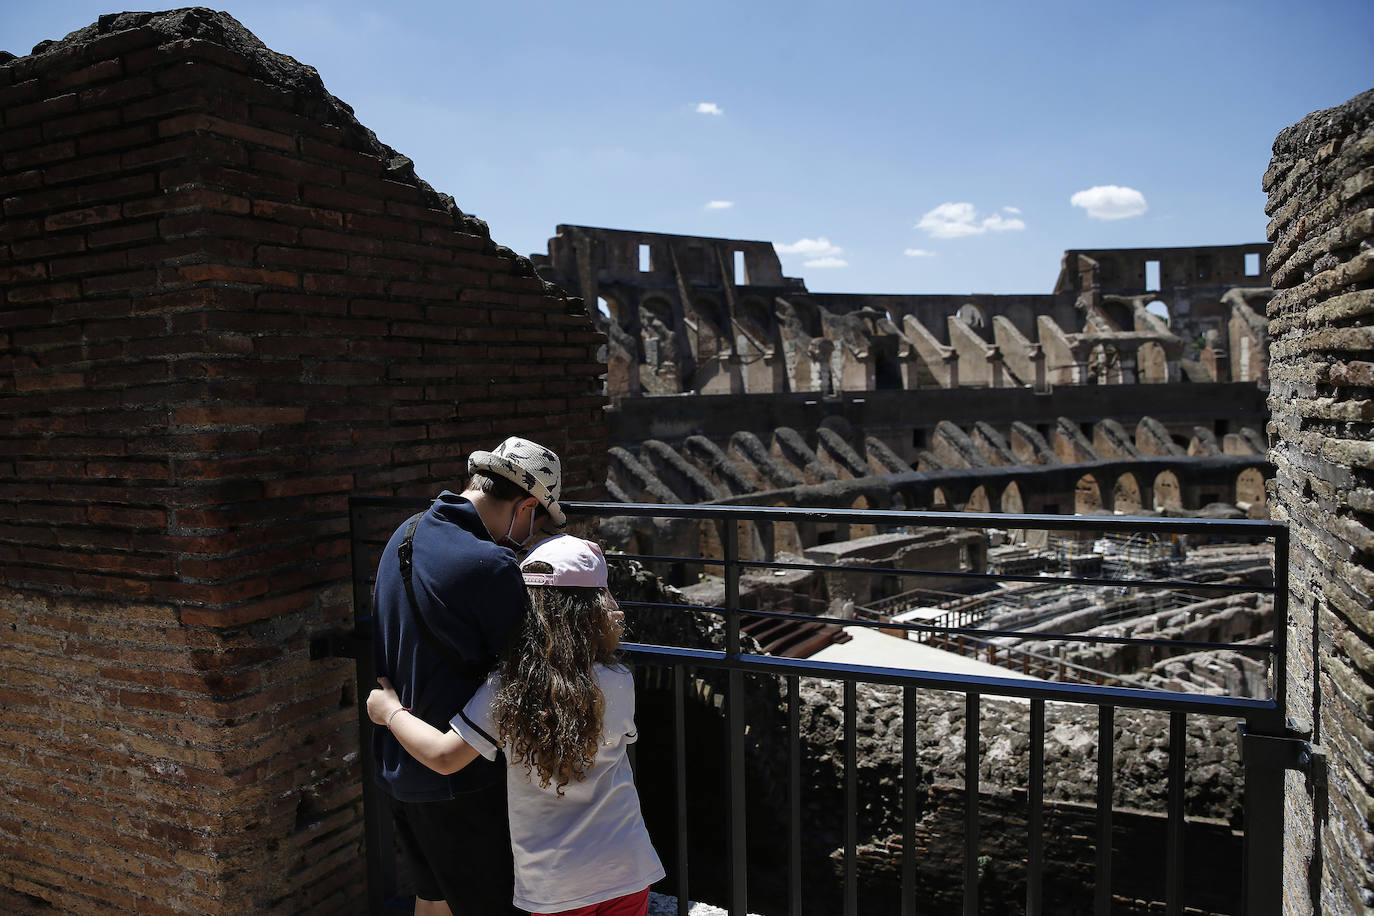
(1265, 758)
(1106, 756)
(972, 751)
(1281, 561)
(794, 795)
(1035, 820)
(910, 718)
(377, 828)
(737, 869)
(680, 781)
(851, 798)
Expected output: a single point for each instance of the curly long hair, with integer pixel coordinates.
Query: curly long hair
(549, 706)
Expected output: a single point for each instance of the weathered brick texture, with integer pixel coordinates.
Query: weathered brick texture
(1321, 200)
(226, 307)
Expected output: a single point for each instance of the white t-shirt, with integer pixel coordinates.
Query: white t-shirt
(589, 845)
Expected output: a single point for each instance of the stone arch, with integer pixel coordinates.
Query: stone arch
(978, 500)
(1104, 365)
(1152, 365)
(786, 537)
(1126, 494)
(613, 307)
(1167, 492)
(972, 315)
(1119, 313)
(809, 314)
(754, 315)
(861, 530)
(1087, 496)
(658, 308)
(1250, 489)
(1010, 500)
(1160, 309)
(938, 500)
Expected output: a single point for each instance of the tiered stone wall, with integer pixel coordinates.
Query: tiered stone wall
(226, 307)
(1321, 197)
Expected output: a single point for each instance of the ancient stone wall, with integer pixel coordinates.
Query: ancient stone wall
(227, 307)
(1321, 200)
(687, 314)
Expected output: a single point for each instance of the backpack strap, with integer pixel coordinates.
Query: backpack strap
(405, 553)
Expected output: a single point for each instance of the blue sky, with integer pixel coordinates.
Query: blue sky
(886, 147)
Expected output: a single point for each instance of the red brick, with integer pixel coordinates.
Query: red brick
(44, 110)
(331, 152)
(105, 70)
(381, 226)
(230, 274)
(301, 258)
(236, 416)
(115, 93)
(110, 260)
(87, 122)
(319, 238)
(48, 246)
(43, 293)
(297, 214)
(124, 282)
(140, 135)
(296, 169)
(88, 216)
(246, 133)
(342, 200)
(186, 199)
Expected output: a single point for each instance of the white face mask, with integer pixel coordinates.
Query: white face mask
(506, 540)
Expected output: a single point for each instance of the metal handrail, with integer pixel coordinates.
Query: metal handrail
(1264, 720)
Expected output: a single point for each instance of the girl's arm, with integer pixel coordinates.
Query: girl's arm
(442, 752)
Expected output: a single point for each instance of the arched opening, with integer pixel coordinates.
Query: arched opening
(1011, 499)
(861, 530)
(786, 538)
(1126, 495)
(1087, 496)
(938, 501)
(809, 316)
(1160, 309)
(1250, 493)
(1168, 494)
(1151, 363)
(978, 500)
(706, 328)
(1104, 366)
(971, 315)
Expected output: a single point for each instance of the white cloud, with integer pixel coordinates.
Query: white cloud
(826, 262)
(953, 220)
(719, 204)
(710, 108)
(918, 253)
(999, 223)
(811, 248)
(1016, 210)
(1108, 201)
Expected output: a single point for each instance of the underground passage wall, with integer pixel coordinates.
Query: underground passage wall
(1321, 200)
(227, 307)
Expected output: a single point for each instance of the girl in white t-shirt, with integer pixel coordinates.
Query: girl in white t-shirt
(562, 709)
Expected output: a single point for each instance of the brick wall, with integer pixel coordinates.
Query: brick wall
(226, 307)
(1321, 200)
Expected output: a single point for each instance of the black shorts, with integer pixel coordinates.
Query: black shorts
(459, 851)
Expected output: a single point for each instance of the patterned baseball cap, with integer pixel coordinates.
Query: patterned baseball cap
(576, 563)
(529, 466)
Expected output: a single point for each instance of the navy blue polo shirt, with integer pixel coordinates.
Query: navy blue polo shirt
(472, 596)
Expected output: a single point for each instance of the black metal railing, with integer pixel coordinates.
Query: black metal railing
(1268, 745)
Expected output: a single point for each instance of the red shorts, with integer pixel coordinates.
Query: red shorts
(630, 905)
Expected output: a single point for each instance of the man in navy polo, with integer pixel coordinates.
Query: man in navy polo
(436, 637)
